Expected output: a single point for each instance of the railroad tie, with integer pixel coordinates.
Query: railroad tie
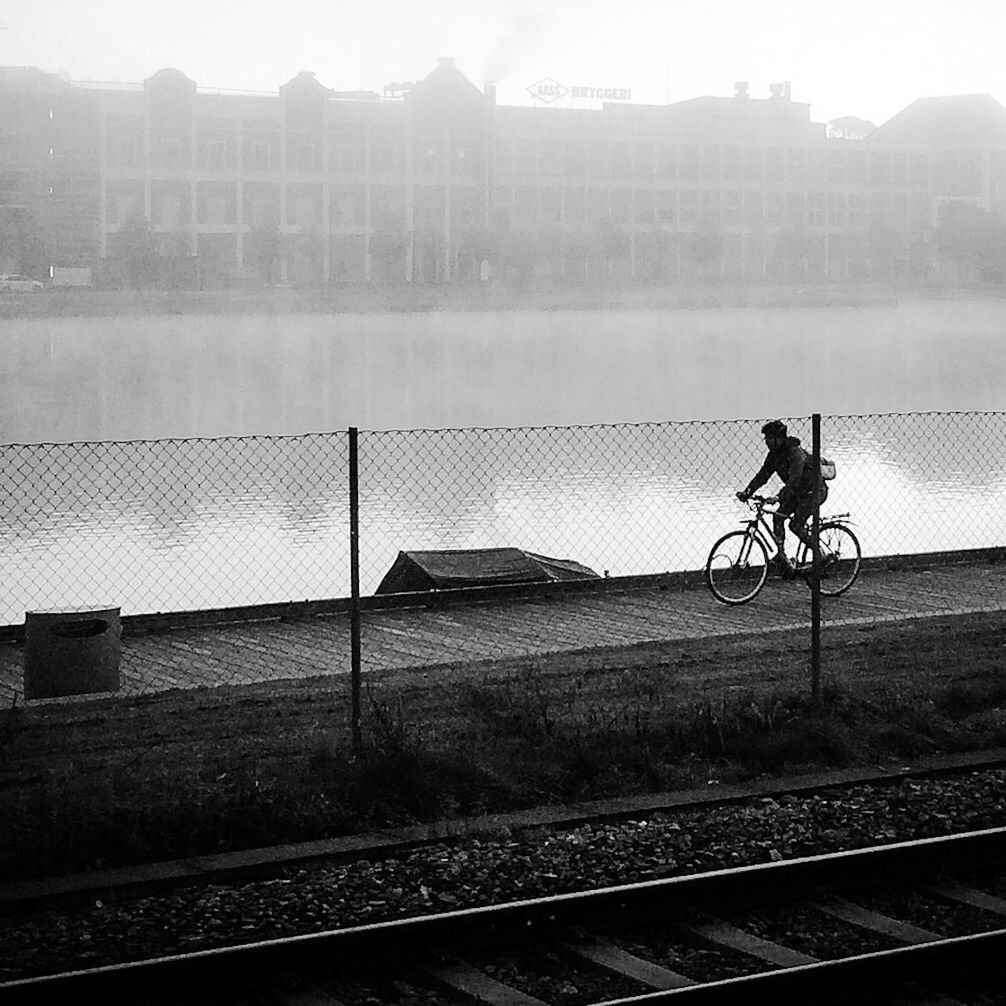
(876, 922)
(967, 896)
(726, 935)
(614, 958)
(304, 995)
(471, 982)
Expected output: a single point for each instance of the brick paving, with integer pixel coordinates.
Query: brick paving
(252, 652)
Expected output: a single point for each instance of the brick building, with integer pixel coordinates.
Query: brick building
(443, 185)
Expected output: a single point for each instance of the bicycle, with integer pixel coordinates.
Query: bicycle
(738, 563)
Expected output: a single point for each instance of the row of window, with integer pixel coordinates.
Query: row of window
(562, 159)
(216, 204)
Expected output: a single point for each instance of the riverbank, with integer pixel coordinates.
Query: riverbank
(75, 302)
(190, 772)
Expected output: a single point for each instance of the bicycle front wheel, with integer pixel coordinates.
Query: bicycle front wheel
(737, 567)
(840, 559)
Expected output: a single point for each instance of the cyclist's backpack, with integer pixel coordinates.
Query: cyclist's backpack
(828, 470)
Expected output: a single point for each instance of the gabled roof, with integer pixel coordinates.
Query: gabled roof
(953, 121)
(445, 85)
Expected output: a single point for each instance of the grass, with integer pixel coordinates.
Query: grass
(121, 781)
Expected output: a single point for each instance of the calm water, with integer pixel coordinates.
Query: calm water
(215, 522)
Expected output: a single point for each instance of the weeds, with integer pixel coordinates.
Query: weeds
(505, 743)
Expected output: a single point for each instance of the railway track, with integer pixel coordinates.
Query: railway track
(813, 930)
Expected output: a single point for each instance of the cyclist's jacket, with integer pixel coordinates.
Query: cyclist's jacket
(794, 466)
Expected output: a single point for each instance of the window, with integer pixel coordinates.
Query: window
(689, 206)
(644, 160)
(304, 211)
(732, 163)
(128, 151)
(621, 161)
(621, 206)
(688, 163)
(836, 209)
(774, 164)
(753, 164)
(816, 208)
(574, 209)
(574, 162)
(551, 157)
(549, 197)
(216, 210)
(263, 212)
(525, 204)
(795, 165)
(731, 208)
(642, 206)
(261, 156)
(665, 206)
(170, 153)
(168, 212)
(126, 207)
(667, 161)
(836, 166)
(216, 153)
(305, 157)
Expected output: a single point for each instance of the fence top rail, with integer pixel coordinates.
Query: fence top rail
(322, 434)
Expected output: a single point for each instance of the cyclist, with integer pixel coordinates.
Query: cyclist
(802, 489)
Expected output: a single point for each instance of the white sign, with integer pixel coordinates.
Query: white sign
(549, 90)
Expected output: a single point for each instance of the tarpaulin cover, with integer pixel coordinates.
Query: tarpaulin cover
(476, 567)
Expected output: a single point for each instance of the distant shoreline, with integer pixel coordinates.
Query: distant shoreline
(354, 300)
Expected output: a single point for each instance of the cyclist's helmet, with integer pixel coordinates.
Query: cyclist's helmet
(777, 428)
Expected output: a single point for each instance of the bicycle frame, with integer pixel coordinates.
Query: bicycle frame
(757, 526)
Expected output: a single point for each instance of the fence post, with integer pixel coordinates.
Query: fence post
(815, 573)
(354, 587)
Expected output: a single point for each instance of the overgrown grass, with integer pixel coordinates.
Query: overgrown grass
(493, 741)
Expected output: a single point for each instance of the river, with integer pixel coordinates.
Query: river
(614, 438)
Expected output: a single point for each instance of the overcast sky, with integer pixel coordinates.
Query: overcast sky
(845, 57)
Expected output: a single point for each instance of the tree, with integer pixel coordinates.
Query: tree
(850, 127)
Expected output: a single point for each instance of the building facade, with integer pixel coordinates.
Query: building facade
(163, 182)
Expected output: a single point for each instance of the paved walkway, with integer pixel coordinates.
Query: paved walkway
(253, 652)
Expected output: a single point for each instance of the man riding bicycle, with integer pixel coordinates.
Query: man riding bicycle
(803, 488)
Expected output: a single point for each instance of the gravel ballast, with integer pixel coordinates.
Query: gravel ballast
(500, 867)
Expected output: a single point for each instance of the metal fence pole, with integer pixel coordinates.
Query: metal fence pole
(354, 586)
(815, 573)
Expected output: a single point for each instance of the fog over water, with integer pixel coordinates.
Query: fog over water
(126, 378)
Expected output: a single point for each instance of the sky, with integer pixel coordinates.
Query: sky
(868, 58)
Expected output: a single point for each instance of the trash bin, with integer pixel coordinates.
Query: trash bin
(71, 651)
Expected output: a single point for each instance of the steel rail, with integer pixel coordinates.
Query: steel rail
(839, 978)
(519, 922)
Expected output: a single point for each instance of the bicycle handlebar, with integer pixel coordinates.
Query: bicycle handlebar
(763, 500)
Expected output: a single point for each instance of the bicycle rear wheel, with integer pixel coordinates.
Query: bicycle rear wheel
(737, 567)
(840, 557)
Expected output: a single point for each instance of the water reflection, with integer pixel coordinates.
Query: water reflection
(187, 524)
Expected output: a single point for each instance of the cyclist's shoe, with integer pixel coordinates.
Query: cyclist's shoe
(785, 569)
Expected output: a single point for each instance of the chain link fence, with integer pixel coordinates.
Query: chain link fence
(180, 525)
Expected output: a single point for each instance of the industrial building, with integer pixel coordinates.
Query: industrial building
(164, 182)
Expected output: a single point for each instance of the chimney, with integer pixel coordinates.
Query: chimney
(779, 92)
(490, 94)
(740, 88)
